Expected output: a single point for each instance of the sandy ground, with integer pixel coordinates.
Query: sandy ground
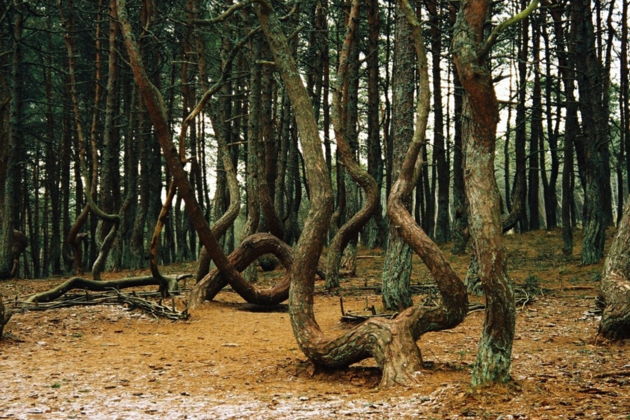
(227, 362)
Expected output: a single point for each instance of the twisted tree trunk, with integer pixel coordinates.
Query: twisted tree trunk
(390, 342)
(353, 226)
(471, 59)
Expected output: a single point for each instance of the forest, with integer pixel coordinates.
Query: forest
(186, 184)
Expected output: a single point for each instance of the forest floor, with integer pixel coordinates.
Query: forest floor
(229, 362)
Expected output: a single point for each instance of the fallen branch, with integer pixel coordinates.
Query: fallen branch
(94, 285)
(134, 300)
(353, 317)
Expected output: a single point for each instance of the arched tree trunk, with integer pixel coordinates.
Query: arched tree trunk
(250, 249)
(615, 285)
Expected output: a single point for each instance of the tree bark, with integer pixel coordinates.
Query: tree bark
(250, 249)
(615, 284)
(157, 112)
(352, 227)
(535, 134)
(571, 126)
(442, 225)
(376, 229)
(594, 144)
(391, 343)
(12, 157)
(397, 266)
(471, 59)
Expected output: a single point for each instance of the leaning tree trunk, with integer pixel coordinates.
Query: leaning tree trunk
(154, 103)
(615, 286)
(470, 54)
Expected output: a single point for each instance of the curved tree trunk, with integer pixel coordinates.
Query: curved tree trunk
(397, 266)
(250, 249)
(390, 342)
(353, 226)
(615, 285)
(471, 59)
(157, 112)
(226, 220)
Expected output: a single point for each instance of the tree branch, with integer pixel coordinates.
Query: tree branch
(492, 38)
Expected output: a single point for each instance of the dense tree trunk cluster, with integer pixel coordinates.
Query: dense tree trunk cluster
(144, 133)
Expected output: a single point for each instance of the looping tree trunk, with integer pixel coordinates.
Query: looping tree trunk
(250, 249)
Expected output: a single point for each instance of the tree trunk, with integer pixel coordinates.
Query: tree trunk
(550, 184)
(397, 265)
(535, 133)
(376, 229)
(5, 316)
(518, 214)
(390, 342)
(460, 207)
(594, 143)
(471, 59)
(13, 154)
(615, 285)
(442, 227)
(571, 128)
(355, 223)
